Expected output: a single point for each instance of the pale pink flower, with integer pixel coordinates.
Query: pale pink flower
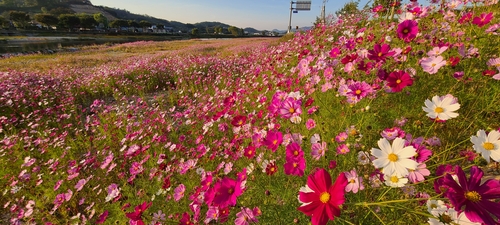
(310, 124)
(354, 182)
(432, 64)
(179, 192)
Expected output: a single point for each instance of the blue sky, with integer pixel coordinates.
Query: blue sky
(259, 14)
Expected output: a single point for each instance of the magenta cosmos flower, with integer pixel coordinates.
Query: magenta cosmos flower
(482, 20)
(320, 199)
(380, 52)
(226, 192)
(407, 30)
(273, 140)
(472, 196)
(399, 80)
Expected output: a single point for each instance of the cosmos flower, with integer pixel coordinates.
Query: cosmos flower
(395, 159)
(407, 30)
(398, 80)
(320, 199)
(472, 196)
(487, 145)
(354, 182)
(380, 52)
(441, 109)
(483, 19)
(136, 216)
(432, 64)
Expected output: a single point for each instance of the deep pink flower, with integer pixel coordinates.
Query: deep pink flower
(474, 196)
(320, 199)
(226, 192)
(407, 30)
(102, 217)
(293, 151)
(273, 140)
(136, 216)
(239, 120)
(399, 80)
(295, 166)
(342, 149)
(357, 91)
(335, 52)
(179, 192)
(482, 20)
(380, 52)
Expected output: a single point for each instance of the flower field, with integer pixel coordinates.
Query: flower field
(363, 120)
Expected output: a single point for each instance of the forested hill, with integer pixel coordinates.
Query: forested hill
(58, 7)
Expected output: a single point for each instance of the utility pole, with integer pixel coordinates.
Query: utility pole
(290, 21)
(323, 14)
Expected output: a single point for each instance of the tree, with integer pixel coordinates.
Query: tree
(3, 22)
(194, 31)
(349, 8)
(20, 19)
(101, 19)
(47, 19)
(87, 21)
(118, 23)
(60, 10)
(69, 21)
(234, 30)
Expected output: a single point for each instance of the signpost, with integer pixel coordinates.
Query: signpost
(299, 6)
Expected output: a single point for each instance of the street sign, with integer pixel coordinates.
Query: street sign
(303, 5)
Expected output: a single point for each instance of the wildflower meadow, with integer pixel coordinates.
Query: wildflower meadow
(364, 119)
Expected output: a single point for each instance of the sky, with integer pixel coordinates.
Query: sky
(259, 14)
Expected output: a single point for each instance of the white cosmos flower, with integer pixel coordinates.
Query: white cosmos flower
(488, 146)
(441, 109)
(395, 180)
(394, 159)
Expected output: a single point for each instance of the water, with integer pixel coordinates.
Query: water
(27, 46)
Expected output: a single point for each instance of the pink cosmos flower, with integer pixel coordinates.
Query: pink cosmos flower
(432, 64)
(482, 20)
(245, 217)
(136, 168)
(318, 150)
(212, 214)
(354, 182)
(293, 151)
(136, 216)
(358, 90)
(290, 107)
(419, 174)
(226, 192)
(342, 149)
(334, 52)
(320, 199)
(295, 166)
(273, 140)
(407, 30)
(341, 137)
(399, 80)
(179, 192)
(310, 124)
(380, 52)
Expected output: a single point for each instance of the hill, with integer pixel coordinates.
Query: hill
(85, 6)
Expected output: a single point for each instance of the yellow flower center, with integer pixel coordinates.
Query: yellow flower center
(446, 219)
(296, 153)
(394, 179)
(275, 142)
(230, 191)
(405, 31)
(358, 92)
(398, 81)
(473, 196)
(294, 165)
(433, 65)
(488, 146)
(433, 206)
(352, 181)
(438, 110)
(379, 54)
(324, 197)
(393, 157)
(291, 110)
